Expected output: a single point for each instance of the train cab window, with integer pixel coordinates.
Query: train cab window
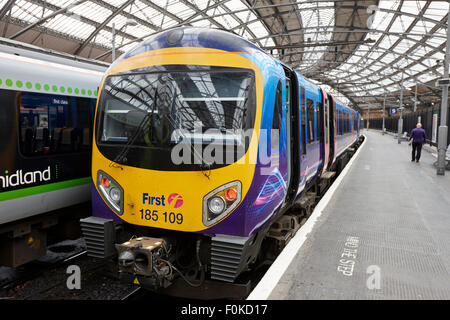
(311, 120)
(54, 123)
(303, 119)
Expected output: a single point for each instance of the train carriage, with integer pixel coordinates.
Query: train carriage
(48, 101)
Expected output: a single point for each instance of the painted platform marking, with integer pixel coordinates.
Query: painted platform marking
(348, 256)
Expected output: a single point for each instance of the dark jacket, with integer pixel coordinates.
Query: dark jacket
(418, 135)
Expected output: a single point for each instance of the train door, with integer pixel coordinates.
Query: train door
(352, 124)
(333, 130)
(293, 140)
(325, 128)
(303, 133)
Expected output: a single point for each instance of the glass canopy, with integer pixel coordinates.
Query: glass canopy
(361, 50)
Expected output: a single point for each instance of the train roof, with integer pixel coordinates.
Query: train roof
(213, 39)
(34, 75)
(33, 52)
(195, 37)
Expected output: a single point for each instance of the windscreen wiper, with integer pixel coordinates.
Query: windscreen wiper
(121, 157)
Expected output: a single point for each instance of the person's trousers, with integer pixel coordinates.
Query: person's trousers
(416, 150)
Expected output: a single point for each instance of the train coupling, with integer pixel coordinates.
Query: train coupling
(147, 257)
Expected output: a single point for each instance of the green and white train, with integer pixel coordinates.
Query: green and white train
(47, 103)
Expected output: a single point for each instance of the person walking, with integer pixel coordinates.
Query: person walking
(418, 138)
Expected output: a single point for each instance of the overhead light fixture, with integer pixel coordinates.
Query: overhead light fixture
(131, 22)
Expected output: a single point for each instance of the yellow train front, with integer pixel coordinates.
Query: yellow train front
(191, 161)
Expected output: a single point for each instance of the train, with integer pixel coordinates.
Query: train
(48, 102)
(208, 154)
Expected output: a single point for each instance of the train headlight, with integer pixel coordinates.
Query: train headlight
(115, 194)
(220, 202)
(216, 205)
(110, 191)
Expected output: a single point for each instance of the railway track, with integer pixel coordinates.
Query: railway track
(136, 294)
(34, 270)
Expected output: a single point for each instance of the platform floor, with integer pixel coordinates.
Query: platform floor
(390, 220)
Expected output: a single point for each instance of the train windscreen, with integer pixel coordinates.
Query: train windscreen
(149, 113)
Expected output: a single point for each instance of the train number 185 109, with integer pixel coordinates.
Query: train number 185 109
(167, 217)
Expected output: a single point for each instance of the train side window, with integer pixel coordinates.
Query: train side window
(350, 125)
(347, 128)
(7, 127)
(277, 110)
(339, 123)
(344, 122)
(311, 120)
(277, 118)
(53, 124)
(303, 118)
(349, 122)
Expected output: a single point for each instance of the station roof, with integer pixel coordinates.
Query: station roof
(362, 50)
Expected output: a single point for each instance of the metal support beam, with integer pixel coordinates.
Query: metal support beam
(415, 99)
(400, 120)
(384, 112)
(6, 8)
(96, 31)
(318, 44)
(113, 42)
(41, 21)
(443, 129)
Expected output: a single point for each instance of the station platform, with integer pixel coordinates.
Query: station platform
(384, 233)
